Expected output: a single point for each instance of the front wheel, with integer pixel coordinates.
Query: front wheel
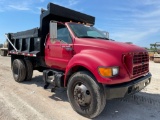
(85, 95)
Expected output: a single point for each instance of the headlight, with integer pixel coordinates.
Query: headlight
(108, 71)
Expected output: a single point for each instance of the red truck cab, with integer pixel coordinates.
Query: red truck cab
(96, 53)
(79, 57)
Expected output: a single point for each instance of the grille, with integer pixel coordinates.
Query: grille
(140, 58)
(140, 69)
(137, 64)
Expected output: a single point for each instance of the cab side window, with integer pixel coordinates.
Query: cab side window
(63, 34)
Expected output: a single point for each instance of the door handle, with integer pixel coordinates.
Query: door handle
(67, 47)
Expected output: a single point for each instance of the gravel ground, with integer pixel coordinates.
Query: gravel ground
(29, 101)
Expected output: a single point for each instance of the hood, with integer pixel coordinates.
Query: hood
(110, 45)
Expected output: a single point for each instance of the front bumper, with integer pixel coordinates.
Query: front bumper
(125, 89)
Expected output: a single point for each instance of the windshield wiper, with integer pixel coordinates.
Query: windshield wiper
(86, 37)
(93, 37)
(102, 38)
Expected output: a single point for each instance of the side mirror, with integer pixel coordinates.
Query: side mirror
(53, 30)
(106, 34)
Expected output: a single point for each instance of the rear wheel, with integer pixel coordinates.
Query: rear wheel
(85, 95)
(29, 70)
(18, 70)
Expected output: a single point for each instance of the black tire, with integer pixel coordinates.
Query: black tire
(29, 70)
(18, 70)
(94, 101)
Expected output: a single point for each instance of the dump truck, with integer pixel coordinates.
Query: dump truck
(156, 56)
(4, 49)
(74, 55)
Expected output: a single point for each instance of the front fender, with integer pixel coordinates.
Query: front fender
(91, 60)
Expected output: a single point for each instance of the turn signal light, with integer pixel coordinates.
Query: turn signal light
(108, 72)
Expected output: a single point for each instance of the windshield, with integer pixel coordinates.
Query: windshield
(84, 31)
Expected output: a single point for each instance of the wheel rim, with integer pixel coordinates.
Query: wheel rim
(82, 95)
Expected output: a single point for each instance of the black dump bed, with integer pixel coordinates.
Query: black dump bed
(25, 42)
(32, 41)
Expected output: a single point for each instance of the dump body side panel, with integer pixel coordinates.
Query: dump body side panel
(26, 42)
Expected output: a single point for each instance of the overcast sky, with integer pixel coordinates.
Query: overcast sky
(136, 21)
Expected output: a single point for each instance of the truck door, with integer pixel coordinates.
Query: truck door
(60, 51)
